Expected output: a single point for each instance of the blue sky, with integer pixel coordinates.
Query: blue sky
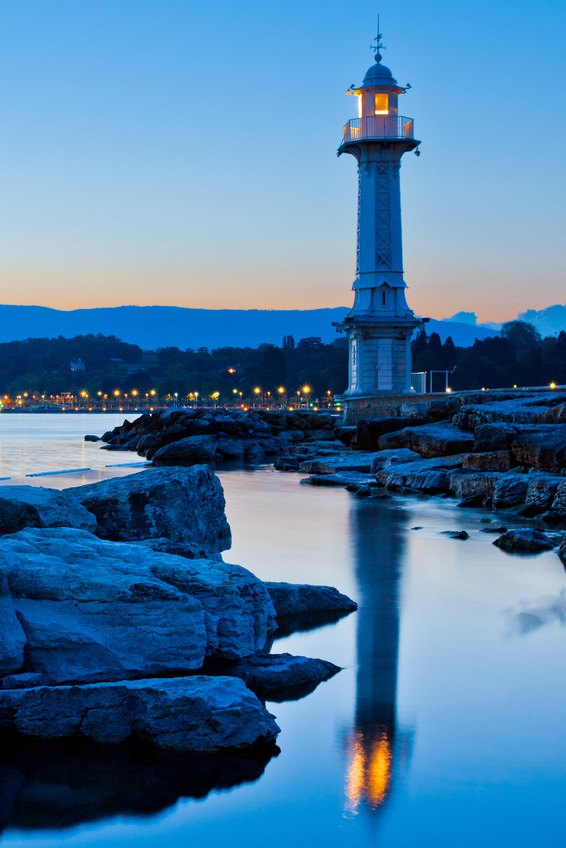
(185, 153)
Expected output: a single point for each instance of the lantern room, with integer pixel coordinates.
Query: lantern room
(378, 93)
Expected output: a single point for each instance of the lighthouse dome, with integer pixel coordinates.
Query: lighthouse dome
(378, 74)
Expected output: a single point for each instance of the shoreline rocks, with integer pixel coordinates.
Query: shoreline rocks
(201, 714)
(144, 638)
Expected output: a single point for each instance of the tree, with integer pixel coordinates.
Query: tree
(522, 334)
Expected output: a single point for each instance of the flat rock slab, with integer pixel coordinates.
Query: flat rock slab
(430, 440)
(528, 408)
(427, 475)
(280, 677)
(352, 461)
(341, 479)
(299, 598)
(191, 713)
(180, 504)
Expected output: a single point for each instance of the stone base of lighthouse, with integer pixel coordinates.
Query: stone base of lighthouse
(379, 356)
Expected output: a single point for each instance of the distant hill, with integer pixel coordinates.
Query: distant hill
(151, 327)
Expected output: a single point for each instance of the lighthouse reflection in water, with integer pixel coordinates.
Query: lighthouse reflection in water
(375, 747)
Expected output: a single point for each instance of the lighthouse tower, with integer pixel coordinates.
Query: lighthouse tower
(380, 325)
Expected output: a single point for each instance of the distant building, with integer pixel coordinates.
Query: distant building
(77, 365)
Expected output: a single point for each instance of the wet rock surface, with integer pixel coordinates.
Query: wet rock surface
(526, 541)
(110, 640)
(189, 713)
(181, 504)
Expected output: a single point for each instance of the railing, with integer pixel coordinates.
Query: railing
(378, 126)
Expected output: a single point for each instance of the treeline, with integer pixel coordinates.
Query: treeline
(518, 357)
(43, 366)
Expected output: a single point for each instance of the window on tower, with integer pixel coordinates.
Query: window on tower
(381, 104)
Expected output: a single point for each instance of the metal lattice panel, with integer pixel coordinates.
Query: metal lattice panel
(382, 216)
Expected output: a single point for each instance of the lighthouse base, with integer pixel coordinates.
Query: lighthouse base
(379, 355)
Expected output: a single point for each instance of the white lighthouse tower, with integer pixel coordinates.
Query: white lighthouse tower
(380, 325)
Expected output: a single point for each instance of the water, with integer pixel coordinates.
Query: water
(445, 727)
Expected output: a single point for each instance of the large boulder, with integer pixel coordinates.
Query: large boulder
(37, 506)
(368, 432)
(190, 713)
(543, 450)
(430, 440)
(524, 541)
(96, 610)
(180, 504)
(193, 449)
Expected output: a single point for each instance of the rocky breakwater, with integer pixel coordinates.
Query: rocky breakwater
(135, 628)
(501, 450)
(183, 436)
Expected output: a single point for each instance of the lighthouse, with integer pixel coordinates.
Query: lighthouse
(380, 324)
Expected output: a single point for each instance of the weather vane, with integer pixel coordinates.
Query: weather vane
(378, 45)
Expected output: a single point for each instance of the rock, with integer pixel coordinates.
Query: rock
(345, 434)
(91, 438)
(525, 541)
(430, 440)
(353, 461)
(286, 463)
(497, 530)
(559, 502)
(562, 552)
(190, 713)
(290, 599)
(193, 449)
(522, 408)
(341, 479)
(230, 448)
(37, 506)
(12, 637)
(471, 502)
(510, 490)
(545, 451)
(279, 677)
(129, 612)
(181, 504)
(465, 483)
(387, 458)
(542, 490)
(369, 431)
(427, 475)
(490, 461)
(456, 534)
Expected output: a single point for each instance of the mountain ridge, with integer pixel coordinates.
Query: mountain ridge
(152, 327)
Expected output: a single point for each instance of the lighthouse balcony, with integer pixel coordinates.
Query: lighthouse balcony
(379, 127)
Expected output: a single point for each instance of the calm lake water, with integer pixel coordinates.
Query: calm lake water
(445, 727)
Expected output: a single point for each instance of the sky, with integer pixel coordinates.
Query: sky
(181, 153)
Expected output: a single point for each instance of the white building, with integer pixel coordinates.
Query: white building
(380, 325)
